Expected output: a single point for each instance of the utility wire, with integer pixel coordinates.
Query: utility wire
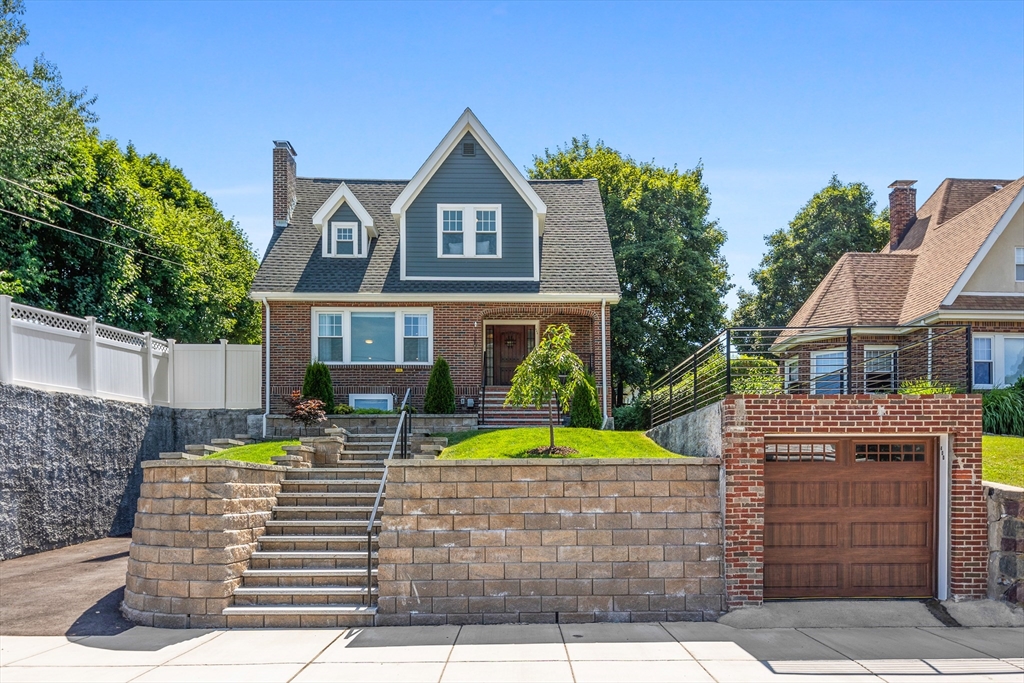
(77, 208)
(89, 237)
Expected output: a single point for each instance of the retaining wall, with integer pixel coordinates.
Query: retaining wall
(698, 433)
(540, 540)
(1005, 542)
(70, 464)
(197, 526)
(279, 426)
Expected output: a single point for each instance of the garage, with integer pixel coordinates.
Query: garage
(849, 517)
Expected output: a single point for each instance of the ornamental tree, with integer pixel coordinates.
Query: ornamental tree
(551, 371)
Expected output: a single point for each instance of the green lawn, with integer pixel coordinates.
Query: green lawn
(257, 452)
(514, 443)
(1002, 459)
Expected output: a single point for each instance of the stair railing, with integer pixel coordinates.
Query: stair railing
(403, 430)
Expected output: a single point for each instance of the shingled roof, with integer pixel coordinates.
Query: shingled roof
(575, 250)
(900, 286)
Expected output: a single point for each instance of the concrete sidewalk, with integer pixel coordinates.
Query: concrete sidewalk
(582, 653)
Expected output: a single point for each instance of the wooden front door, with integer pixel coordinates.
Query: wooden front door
(509, 351)
(849, 517)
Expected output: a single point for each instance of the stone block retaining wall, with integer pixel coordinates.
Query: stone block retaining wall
(279, 426)
(496, 541)
(1005, 542)
(197, 525)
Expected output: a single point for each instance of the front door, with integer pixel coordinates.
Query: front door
(510, 348)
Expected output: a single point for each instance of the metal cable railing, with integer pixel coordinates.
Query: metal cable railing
(816, 360)
(402, 432)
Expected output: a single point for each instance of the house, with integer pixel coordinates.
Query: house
(468, 260)
(953, 267)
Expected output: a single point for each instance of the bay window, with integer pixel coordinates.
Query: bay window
(468, 231)
(372, 336)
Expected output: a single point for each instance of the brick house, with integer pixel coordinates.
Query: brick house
(957, 261)
(468, 260)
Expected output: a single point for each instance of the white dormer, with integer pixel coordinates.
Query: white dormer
(341, 238)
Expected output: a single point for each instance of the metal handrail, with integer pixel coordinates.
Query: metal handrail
(401, 430)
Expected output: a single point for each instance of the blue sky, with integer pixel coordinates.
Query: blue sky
(772, 99)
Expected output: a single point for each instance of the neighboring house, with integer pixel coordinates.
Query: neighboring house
(468, 260)
(958, 261)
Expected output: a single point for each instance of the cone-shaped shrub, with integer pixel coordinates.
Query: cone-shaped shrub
(440, 398)
(317, 384)
(585, 411)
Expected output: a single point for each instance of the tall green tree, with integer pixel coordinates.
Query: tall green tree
(837, 219)
(50, 147)
(667, 252)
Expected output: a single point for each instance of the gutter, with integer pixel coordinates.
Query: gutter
(604, 364)
(266, 359)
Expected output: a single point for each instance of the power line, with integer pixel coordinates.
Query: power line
(78, 208)
(90, 237)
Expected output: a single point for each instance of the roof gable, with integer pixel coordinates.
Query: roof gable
(343, 195)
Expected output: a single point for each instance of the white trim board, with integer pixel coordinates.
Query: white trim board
(340, 196)
(497, 298)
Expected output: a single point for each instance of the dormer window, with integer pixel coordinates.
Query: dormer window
(344, 238)
(482, 222)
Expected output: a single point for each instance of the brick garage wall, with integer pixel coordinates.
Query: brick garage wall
(494, 541)
(455, 337)
(746, 420)
(197, 525)
(1005, 542)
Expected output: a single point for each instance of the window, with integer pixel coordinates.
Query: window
(344, 240)
(791, 371)
(483, 223)
(828, 371)
(417, 342)
(983, 370)
(372, 401)
(800, 452)
(1013, 359)
(1018, 264)
(880, 369)
(330, 341)
(451, 233)
(372, 335)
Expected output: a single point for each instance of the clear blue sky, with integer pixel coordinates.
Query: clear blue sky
(771, 98)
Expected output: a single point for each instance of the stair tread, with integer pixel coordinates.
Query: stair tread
(310, 554)
(304, 571)
(327, 494)
(334, 482)
(320, 522)
(315, 538)
(323, 508)
(303, 590)
(299, 609)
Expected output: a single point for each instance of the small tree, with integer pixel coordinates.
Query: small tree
(551, 370)
(317, 384)
(440, 396)
(586, 413)
(308, 411)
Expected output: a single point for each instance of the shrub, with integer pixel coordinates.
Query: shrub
(308, 411)
(440, 396)
(342, 409)
(1002, 411)
(317, 384)
(754, 375)
(585, 411)
(632, 417)
(925, 387)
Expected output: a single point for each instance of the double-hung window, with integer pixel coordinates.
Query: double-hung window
(791, 374)
(880, 369)
(828, 371)
(1018, 264)
(371, 336)
(343, 239)
(983, 370)
(468, 231)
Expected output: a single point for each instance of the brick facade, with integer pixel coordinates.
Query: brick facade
(458, 336)
(746, 420)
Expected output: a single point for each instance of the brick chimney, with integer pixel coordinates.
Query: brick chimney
(284, 182)
(902, 210)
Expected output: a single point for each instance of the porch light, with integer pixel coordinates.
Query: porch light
(369, 341)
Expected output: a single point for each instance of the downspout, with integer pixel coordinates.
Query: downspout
(604, 366)
(266, 359)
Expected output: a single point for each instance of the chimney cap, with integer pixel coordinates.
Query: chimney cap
(286, 144)
(903, 183)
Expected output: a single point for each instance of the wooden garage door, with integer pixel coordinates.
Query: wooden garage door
(849, 517)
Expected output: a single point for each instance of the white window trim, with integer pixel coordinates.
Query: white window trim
(1018, 260)
(468, 229)
(892, 362)
(791, 373)
(998, 360)
(372, 397)
(346, 314)
(814, 376)
(360, 238)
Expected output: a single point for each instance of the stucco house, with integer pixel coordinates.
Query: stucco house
(468, 260)
(958, 261)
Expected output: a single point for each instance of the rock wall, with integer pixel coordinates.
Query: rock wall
(1005, 542)
(698, 433)
(70, 465)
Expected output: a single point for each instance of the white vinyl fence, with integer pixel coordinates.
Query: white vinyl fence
(41, 349)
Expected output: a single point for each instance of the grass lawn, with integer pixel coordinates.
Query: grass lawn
(257, 452)
(514, 443)
(1002, 459)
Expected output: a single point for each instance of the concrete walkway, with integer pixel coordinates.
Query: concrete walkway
(580, 653)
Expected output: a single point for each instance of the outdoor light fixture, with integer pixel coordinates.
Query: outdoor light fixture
(369, 341)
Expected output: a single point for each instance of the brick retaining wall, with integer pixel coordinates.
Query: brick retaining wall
(496, 541)
(1005, 542)
(197, 525)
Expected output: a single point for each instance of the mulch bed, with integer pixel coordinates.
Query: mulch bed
(557, 450)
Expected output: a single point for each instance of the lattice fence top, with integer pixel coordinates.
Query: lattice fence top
(122, 336)
(49, 318)
(159, 345)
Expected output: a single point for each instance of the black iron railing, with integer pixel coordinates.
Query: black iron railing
(816, 360)
(400, 441)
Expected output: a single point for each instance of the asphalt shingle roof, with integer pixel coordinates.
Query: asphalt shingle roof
(575, 253)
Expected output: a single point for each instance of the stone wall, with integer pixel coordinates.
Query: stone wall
(279, 426)
(70, 464)
(538, 540)
(698, 433)
(1005, 542)
(197, 525)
